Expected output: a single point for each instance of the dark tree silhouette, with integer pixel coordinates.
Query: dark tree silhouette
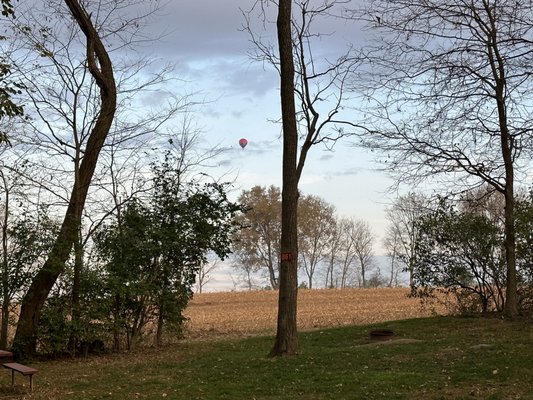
(101, 69)
(450, 96)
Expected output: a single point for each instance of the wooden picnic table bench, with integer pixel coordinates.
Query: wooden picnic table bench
(5, 354)
(23, 369)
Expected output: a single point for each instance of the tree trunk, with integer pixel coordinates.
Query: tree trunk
(5, 270)
(160, 324)
(76, 283)
(511, 294)
(116, 323)
(329, 272)
(272, 274)
(393, 259)
(101, 69)
(506, 142)
(287, 335)
(363, 272)
(410, 270)
(5, 323)
(78, 263)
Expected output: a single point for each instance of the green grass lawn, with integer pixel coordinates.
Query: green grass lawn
(433, 358)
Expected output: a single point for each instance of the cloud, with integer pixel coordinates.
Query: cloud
(327, 157)
(207, 43)
(200, 29)
(345, 172)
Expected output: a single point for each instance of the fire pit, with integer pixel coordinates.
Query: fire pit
(381, 334)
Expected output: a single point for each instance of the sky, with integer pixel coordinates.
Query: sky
(211, 53)
(204, 41)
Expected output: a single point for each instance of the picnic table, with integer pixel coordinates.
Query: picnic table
(23, 369)
(5, 354)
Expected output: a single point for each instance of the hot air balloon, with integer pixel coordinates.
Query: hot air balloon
(243, 142)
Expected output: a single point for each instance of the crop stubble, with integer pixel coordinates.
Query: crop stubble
(251, 313)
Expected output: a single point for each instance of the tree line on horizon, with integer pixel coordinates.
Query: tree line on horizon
(336, 250)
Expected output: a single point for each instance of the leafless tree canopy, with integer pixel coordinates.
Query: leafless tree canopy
(402, 231)
(449, 94)
(321, 78)
(444, 79)
(312, 90)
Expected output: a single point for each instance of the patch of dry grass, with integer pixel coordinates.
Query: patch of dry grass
(255, 312)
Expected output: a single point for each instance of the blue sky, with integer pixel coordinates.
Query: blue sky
(211, 53)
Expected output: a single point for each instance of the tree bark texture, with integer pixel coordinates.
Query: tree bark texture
(5, 269)
(511, 293)
(498, 67)
(101, 69)
(287, 335)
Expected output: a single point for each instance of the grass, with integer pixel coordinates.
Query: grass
(431, 358)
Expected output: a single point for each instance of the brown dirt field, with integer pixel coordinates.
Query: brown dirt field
(252, 313)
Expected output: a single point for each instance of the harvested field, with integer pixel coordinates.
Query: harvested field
(252, 313)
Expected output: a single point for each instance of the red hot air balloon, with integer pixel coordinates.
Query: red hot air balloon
(243, 142)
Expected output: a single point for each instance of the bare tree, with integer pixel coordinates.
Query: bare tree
(488, 202)
(318, 85)
(392, 244)
(362, 239)
(287, 335)
(4, 224)
(344, 256)
(245, 279)
(9, 186)
(65, 99)
(402, 232)
(451, 96)
(204, 276)
(101, 69)
(347, 252)
(332, 256)
(25, 227)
